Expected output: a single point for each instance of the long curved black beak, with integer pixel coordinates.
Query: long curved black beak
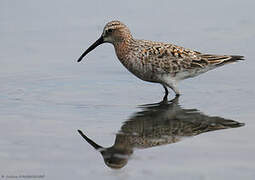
(93, 46)
(92, 143)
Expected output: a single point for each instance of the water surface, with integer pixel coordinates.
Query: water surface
(46, 96)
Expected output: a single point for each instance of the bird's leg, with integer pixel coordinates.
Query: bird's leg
(174, 87)
(166, 90)
(176, 90)
(166, 94)
(177, 95)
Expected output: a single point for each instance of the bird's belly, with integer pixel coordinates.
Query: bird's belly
(143, 72)
(190, 73)
(148, 73)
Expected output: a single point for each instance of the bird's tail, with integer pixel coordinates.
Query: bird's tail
(219, 60)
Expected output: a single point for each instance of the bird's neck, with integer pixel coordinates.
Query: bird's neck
(123, 48)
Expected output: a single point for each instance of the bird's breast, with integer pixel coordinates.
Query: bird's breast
(131, 59)
(139, 69)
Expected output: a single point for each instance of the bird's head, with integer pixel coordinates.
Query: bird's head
(114, 32)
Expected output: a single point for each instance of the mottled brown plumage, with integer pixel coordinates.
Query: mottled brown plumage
(158, 62)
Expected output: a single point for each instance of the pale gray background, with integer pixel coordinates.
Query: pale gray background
(45, 96)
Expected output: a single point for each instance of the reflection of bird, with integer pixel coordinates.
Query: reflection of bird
(162, 63)
(158, 124)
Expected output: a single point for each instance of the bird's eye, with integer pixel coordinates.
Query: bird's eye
(109, 30)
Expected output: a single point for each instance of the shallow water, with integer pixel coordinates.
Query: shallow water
(46, 96)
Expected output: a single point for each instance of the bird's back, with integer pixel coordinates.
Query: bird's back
(164, 58)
